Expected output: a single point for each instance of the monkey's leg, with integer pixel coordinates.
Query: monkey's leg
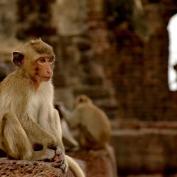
(37, 134)
(15, 141)
(56, 128)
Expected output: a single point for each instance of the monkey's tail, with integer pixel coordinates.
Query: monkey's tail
(75, 167)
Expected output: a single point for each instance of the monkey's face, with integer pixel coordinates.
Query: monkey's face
(36, 58)
(82, 99)
(44, 68)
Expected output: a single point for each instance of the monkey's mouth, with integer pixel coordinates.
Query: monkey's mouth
(46, 78)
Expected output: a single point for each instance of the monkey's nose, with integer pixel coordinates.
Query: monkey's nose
(49, 72)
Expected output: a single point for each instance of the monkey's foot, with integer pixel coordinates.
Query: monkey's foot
(60, 162)
(46, 156)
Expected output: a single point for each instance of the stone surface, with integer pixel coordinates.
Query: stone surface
(136, 64)
(36, 24)
(72, 16)
(146, 150)
(98, 163)
(93, 163)
(19, 168)
(7, 19)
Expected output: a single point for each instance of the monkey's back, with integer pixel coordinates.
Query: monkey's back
(96, 122)
(14, 92)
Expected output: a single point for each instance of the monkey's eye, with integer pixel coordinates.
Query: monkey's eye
(51, 59)
(42, 60)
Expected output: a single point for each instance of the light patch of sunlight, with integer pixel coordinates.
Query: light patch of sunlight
(172, 74)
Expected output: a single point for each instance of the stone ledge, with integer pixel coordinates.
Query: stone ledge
(98, 163)
(146, 150)
(21, 168)
(94, 164)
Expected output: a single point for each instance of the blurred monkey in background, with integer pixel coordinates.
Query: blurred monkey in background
(93, 125)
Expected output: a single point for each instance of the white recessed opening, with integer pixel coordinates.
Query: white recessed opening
(172, 60)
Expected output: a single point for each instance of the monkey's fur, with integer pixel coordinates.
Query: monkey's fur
(93, 122)
(27, 114)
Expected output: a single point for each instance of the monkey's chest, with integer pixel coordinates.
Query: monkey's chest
(34, 107)
(38, 108)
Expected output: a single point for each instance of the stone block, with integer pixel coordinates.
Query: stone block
(147, 150)
(20, 168)
(98, 163)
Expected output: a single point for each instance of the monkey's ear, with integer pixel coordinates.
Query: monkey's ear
(18, 58)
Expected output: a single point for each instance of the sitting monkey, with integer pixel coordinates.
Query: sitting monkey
(94, 125)
(27, 114)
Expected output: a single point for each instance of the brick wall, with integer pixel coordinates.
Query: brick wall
(137, 65)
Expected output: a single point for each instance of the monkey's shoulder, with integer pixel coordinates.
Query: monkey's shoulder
(92, 112)
(91, 108)
(13, 81)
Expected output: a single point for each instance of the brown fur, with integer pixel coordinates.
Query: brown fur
(93, 122)
(28, 117)
(19, 131)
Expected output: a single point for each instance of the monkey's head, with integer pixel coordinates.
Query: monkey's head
(82, 99)
(36, 58)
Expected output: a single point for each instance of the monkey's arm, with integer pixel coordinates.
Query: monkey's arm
(67, 134)
(56, 128)
(71, 117)
(36, 133)
(55, 119)
(74, 119)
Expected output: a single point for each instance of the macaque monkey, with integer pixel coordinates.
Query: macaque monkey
(93, 122)
(28, 118)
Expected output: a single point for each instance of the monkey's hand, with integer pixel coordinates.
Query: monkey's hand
(51, 142)
(60, 161)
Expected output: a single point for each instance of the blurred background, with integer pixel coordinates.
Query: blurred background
(123, 55)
